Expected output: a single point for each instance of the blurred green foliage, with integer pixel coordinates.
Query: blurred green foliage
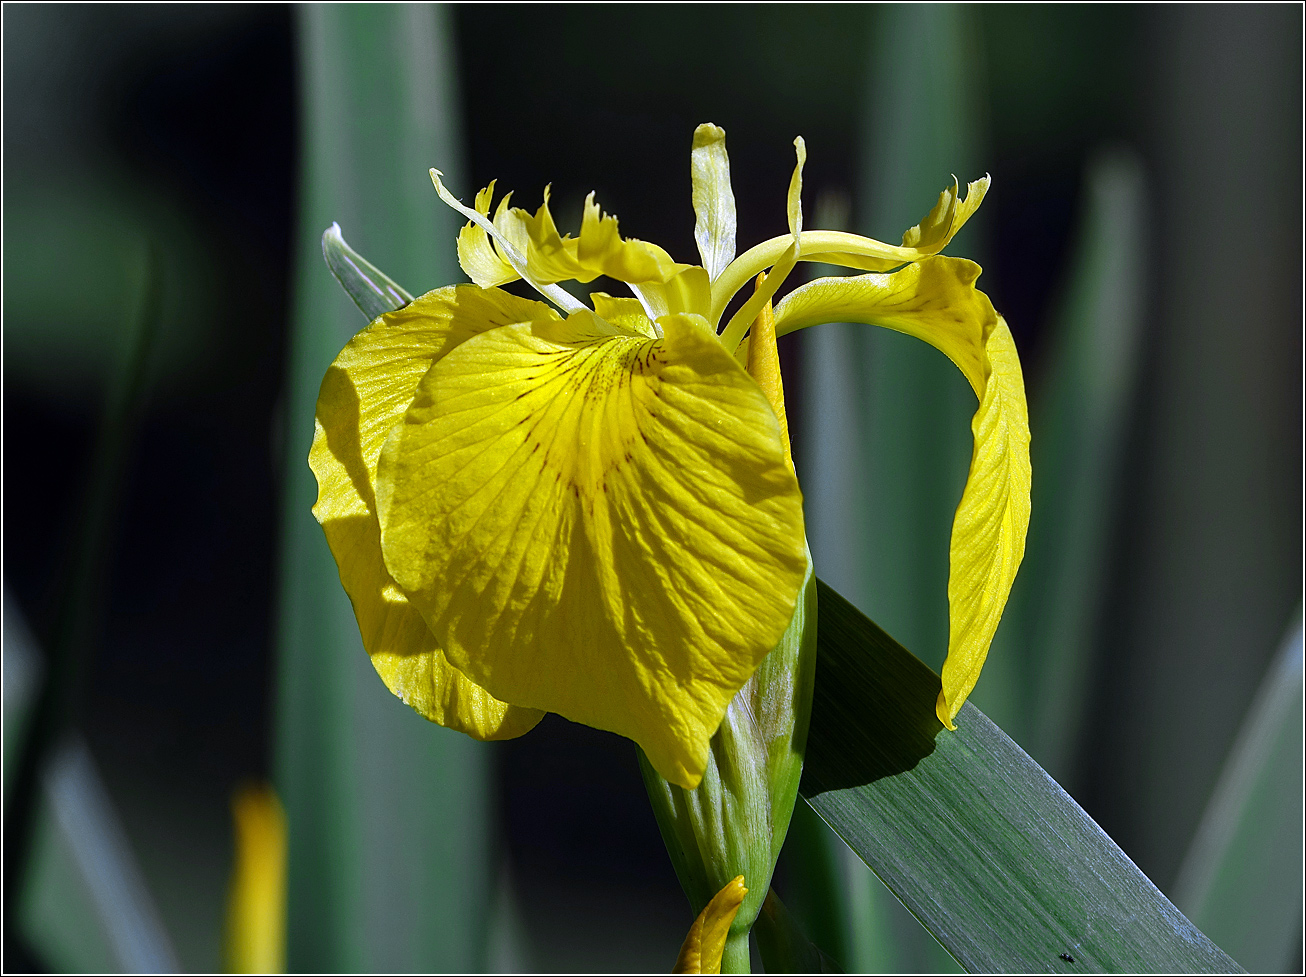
(1175, 508)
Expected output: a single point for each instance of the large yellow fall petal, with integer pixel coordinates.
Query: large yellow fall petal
(364, 394)
(935, 300)
(598, 524)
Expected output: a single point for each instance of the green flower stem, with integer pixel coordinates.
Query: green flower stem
(735, 959)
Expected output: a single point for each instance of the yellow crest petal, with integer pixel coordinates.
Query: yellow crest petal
(714, 200)
(598, 524)
(364, 394)
(706, 942)
(942, 223)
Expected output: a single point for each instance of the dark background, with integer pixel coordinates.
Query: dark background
(182, 122)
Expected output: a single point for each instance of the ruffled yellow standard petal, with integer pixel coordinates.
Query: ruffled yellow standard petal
(545, 256)
(598, 524)
(706, 941)
(935, 300)
(364, 394)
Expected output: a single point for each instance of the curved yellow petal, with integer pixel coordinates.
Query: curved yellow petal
(988, 532)
(364, 394)
(706, 942)
(935, 300)
(598, 524)
(714, 200)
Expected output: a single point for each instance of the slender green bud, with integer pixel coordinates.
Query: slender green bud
(735, 821)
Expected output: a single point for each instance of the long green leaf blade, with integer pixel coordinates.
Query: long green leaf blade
(1242, 877)
(984, 848)
(389, 866)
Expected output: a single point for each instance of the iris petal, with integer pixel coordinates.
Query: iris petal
(366, 392)
(714, 200)
(598, 524)
(935, 300)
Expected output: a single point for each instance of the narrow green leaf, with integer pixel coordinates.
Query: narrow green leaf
(373, 291)
(1079, 416)
(985, 849)
(1241, 880)
(782, 944)
(389, 868)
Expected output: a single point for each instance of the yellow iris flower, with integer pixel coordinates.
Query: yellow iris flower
(542, 506)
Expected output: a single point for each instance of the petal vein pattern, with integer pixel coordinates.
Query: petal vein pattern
(364, 394)
(602, 526)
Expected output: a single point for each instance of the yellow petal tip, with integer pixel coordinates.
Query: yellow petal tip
(706, 942)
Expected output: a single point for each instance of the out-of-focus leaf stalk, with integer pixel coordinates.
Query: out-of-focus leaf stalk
(78, 607)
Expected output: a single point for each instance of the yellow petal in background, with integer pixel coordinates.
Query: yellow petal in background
(988, 532)
(706, 942)
(688, 292)
(603, 526)
(714, 200)
(625, 312)
(256, 903)
(364, 394)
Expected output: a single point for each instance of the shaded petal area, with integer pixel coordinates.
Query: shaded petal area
(364, 394)
(598, 524)
(935, 300)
